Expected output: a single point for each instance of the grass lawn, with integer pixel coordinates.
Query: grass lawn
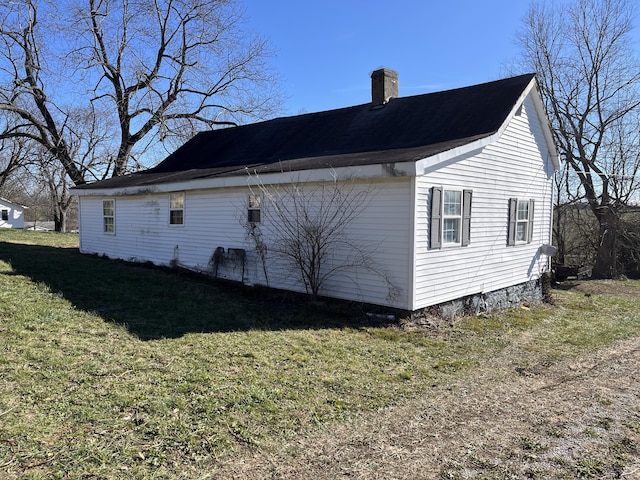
(113, 370)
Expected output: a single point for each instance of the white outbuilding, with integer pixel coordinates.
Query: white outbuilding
(11, 214)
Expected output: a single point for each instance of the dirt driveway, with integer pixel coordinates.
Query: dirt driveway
(579, 418)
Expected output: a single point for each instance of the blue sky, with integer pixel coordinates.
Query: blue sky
(326, 50)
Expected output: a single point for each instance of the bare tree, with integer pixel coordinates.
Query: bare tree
(157, 69)
(32, 169)
(589, 80)
(308, 226)
(55, 184)
(23, 97)
(14, 156)
(170, 63)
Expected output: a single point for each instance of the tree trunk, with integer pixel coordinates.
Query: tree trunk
(120, 163)
(60, 218)
(559, 235)
(58, 221)
(607, 250)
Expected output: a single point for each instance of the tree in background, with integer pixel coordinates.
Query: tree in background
(574, 226)
(54, 183)
(144, 72)
(590, 81)
(15, 156)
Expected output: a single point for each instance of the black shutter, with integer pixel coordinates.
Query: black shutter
(532, 203)
(513, 217)
(466, 217)
(435, 223)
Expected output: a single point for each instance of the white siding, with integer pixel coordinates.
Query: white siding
(216, 218)
(143, 233)
(518, 165)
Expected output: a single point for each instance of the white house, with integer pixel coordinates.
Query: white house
(460, 204)
(11, 214)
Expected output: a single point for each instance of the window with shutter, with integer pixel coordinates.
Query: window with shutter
(450, 217)
(520, 228)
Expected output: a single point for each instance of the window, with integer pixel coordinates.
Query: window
(451, 216)
(5, 215)
(253, 212)
(450, 221)
(176, 208)
(109, 216)
(520, 221)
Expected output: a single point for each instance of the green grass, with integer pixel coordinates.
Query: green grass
(113, 370)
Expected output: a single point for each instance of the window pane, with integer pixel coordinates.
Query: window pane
(521, 231)
(254, 201)
(176, 217)
(452, 203)
(107, 208)
(108, 225)
(451, 230)
(177, 200)
(523, 210)
(254, 216)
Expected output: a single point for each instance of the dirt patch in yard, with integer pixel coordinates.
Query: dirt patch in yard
(515, 417)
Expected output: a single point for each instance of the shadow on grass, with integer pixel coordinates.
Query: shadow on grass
(153, 302)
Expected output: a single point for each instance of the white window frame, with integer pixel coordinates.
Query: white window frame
(457, 217)
(254, 209)
(109, 228)
(522, 224)
(177, 201)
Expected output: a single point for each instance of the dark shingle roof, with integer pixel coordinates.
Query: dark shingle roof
(405, 129)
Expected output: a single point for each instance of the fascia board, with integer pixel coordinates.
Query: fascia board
(365, 172)
(547, 130)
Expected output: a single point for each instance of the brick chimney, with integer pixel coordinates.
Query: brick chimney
(384, 86)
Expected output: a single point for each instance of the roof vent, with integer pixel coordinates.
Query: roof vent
(384, 86)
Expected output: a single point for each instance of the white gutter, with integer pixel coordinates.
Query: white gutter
(380, 170)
